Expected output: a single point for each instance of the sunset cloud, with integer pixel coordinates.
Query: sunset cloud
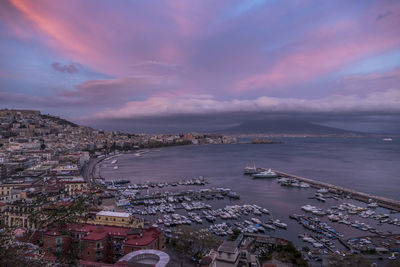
(138, 58)
(166, 106)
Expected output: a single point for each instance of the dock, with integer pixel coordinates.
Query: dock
(361, 196)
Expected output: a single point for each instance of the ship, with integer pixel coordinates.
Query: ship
(265, 174)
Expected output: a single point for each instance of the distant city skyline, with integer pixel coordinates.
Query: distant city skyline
(107, 64)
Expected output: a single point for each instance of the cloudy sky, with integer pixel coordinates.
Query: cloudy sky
(98, 61)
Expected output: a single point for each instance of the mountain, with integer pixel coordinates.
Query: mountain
(284, 126)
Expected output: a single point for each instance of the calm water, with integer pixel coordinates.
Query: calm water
(366, 164)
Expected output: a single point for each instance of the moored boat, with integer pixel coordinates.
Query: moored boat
(265, 174)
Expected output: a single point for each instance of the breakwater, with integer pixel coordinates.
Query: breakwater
(361, 196)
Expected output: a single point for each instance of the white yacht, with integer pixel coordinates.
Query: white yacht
(372, 205)
(323, 190)
(280, 224)
(304, 185)
(265, 174)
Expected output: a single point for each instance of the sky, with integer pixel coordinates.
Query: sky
(112, 63)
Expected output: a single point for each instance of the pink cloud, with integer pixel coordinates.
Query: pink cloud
(109, 41)
(387, 100)
(218, 55)
(368, 83)
(328, 49)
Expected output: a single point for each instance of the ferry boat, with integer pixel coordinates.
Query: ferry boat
(265, 174)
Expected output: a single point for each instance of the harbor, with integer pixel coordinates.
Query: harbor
(196, 202)
(195, 195)
(364, 197)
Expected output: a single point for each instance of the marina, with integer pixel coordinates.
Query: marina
(168, 210)
(314, 211)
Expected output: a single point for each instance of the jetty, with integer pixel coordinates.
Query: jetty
(361, 196)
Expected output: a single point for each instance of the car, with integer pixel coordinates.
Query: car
(392, 257)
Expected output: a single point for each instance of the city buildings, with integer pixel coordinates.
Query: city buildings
(46, 194)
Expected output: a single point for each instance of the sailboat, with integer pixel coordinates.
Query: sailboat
(250, 169)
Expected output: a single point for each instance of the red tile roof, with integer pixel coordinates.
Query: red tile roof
(146, 238)
(52, 232)
(95, 236)
(96, 233)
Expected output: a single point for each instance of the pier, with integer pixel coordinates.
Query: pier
(364, 197)
(198, 194)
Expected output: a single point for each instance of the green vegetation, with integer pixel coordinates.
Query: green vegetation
(58, 120)
(192, 241)
(44, 215)
(336, 260)
(234, 235)
(288, 253)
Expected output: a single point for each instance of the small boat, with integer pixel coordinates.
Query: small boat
(115, 168)
(387, 139)
(233, 195)
(279, 224)
(265, 211)
(114, 161)
(304, 185)
(323, 190)
(265, 174)
(372, 205)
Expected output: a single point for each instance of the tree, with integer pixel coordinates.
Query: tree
(336, 260)
(13, 253)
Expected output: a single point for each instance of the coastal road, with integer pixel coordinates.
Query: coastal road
(88, 170)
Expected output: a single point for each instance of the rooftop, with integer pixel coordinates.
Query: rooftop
(134, 238)
(156, 258)
(228, 247)
(113, 214)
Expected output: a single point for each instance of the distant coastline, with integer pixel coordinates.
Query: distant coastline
(264, 141)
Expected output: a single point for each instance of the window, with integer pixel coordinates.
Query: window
(88, 253)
